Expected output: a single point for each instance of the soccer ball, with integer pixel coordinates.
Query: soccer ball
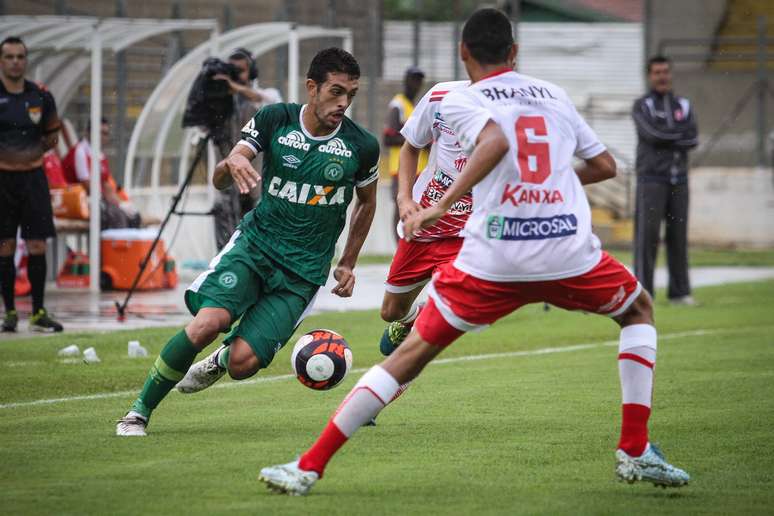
(321, 359)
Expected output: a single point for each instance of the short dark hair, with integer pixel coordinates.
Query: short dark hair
(488, 35)
(332, 60)
(13, 40)
(658, 59)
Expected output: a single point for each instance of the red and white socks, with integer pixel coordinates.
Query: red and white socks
(636, 362)
(366, 399)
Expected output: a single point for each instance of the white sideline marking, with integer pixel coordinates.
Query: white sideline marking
(450, 360)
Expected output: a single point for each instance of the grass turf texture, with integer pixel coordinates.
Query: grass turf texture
(512, 435)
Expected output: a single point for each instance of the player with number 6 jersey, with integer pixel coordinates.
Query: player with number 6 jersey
(528, 240)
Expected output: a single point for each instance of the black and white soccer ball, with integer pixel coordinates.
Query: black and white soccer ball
(321, 359)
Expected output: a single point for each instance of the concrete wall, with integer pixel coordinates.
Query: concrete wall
(715, 96)
(668, 19)
(732, 207)
(715, 93)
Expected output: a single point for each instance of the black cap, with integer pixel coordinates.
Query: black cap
(414, 71)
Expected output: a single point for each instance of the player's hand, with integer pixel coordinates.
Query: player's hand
(245, 176)
(422, 219)
(407, 208)
(346, 281)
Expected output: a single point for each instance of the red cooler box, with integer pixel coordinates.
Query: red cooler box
(122, 252)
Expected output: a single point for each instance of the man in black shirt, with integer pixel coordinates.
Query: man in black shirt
(666, 130)
(28, 128)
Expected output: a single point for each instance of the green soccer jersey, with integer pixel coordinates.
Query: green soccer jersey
(307, 184)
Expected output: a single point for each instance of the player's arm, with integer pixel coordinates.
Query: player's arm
(598, 163)
(491, 146)
(418, 134)
(598, 168)
(51, 123)
(256, 135)
(359, 225)
(237, 168)
(408, 161)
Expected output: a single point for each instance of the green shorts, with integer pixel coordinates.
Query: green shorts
(268, 302)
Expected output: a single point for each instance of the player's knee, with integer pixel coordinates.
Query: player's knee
(389, 313)
(242, 365)
(36, 247)
(7, 247)
(640, 312)
(392, 310)
(205, 328)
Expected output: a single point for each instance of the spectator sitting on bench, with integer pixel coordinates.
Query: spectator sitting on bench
(115, 209)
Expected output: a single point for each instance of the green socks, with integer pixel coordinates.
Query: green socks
(170, 367)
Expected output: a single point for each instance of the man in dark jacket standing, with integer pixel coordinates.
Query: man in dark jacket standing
(666, 130)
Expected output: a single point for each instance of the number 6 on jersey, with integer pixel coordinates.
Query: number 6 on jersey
(534, 157)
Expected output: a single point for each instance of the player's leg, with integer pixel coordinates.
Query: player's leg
(610, 289)
(411, 268)
(216, 298)
(171, 366)
(636, 457)
(8, 282)
(37, 224)
(374, 391)
(263, 329)
(398, 309)
(452, 294)
(10, 218)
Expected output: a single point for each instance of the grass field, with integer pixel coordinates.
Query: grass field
(698, 257)
(523, 432)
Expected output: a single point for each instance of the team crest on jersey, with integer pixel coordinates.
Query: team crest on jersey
(294, 140)
(35, 113)
(333, 171)
(228, 279)
(336, 147)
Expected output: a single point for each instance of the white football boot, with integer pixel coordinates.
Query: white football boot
(132, 425)
(288, 479)
(202, 374)
(651, 466)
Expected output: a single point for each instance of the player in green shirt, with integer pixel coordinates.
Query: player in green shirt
(315, 160)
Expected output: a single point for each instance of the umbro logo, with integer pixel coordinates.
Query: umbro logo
(294, 140)
(290, 161)
(336, 147)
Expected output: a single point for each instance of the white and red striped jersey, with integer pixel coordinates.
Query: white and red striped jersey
(425, 126)
(531, 219)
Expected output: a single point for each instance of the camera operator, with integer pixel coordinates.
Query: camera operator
(230, 206)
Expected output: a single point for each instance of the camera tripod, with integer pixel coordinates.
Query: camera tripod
(201, 147)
